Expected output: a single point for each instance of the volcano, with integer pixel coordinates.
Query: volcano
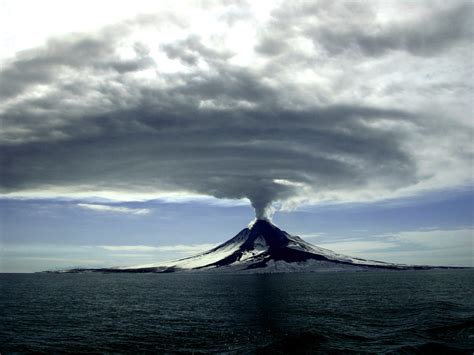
(263, 248)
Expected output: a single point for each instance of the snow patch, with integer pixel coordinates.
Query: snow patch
(200, 260)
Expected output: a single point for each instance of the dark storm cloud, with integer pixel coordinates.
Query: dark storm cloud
(225, 130)
(79, 52)
(41, 66)
(423, 37)
(229, 154)
(349, 26)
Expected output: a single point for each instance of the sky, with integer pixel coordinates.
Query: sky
(133, 132)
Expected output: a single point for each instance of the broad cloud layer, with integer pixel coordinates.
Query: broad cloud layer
(316, 101)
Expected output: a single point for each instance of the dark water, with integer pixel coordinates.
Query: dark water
(401, 312)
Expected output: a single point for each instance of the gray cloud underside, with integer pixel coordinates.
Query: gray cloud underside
(227, 131)
(352, 27)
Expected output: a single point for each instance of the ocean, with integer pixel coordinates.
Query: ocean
(428, 311)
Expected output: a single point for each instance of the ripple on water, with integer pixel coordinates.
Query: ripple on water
(396, 312)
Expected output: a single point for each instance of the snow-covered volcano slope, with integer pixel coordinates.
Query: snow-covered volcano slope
(263, 247)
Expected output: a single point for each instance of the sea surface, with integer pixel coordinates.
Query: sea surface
(353, 312)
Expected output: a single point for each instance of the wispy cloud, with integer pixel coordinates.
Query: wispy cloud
(183, 248)
(39, 257)
(440, 239)
(129, 248)
(358, 246)
(179, 248)
(431, 247)
(114, 209)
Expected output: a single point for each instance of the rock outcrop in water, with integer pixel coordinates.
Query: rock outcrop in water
(262, 248)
